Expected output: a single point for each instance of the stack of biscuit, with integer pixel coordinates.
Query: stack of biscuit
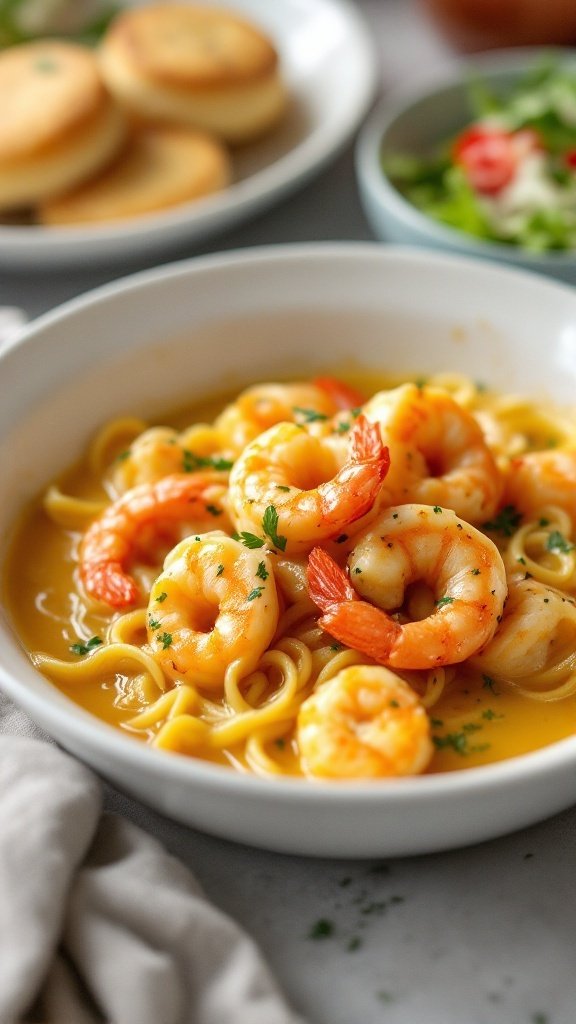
(142, 124)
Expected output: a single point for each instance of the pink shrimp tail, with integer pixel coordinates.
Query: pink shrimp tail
(346, 617)
(364, 628)
(107, 581)
(328, 584)
(342, 395)
(361, 478)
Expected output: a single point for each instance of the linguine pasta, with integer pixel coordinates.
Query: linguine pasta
(229, 647)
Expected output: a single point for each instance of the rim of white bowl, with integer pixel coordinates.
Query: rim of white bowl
(398, 103)
(104, 738)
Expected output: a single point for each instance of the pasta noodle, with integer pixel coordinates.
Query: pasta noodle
(256, 587)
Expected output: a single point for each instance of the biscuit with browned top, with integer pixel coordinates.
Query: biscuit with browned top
(162, 166)
(58, 125)
(202, 66)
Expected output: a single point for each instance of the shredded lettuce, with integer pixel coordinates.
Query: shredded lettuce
(544, 101)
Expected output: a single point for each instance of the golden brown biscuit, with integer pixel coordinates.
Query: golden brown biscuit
(162, 166)
(58, 124)
(201, 66)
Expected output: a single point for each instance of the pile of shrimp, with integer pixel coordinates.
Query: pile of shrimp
(304, 570)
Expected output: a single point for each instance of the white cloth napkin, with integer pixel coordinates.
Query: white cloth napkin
(98, 922)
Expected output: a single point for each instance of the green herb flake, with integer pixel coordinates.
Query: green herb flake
(161, 597)
(165, 639)
(191, 462)
(475, 572)
(309, 415)
(257, 592)
(270, 527)
(437, 509)
(249, 540)
(489, 684)
(85, 648)
(282, 487)
(336, 647)
(357, 570)
(122, 456)
(321, 929)
(262, 572)
(557, 542)
(505, 522)
(444, 600)
(214, 510)
(154, 623)
(220, 570)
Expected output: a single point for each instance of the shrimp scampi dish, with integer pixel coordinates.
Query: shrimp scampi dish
(334, 579)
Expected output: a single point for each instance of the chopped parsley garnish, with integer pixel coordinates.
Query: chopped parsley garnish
(475, 572)
(161, 597)
(262, 571)
(192, 462)
(489, 684)
(90, 644)
(336, 647)
(557, 542)
(342, 427)
(283, 487)
(437, 509)
(270, 527)
(309, 415)
(257, 592)
(123, 455)
(250, 540)
(505, 522)
(165, 639)
(220, 570)
(214, 510)
(458, 741)
(154, 623)
(444, 600)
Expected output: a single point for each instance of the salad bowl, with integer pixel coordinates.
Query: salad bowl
(435, 166)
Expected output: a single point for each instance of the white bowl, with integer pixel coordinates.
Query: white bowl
(161, 338)
(329, 65)
(417, 121)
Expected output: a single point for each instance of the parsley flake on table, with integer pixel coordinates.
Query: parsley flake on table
(322, 929)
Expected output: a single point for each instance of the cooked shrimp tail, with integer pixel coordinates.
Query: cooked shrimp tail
(328, 584)
(353, 622)
(363, 474)
(111, 542)
(344, 396)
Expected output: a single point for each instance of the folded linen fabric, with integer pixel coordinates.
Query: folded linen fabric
(99, 923)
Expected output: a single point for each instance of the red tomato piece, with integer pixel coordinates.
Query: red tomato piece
(488, 157)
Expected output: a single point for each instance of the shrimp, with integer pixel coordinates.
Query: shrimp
(214, 603)
(538, 628)
(162, 451)
(314, 489)
(366, 722)
(437, 451)
(543, 478)
(264, 405)
(408, 544)
(114, 539)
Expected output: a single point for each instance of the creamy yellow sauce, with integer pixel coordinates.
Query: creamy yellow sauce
(475, 721)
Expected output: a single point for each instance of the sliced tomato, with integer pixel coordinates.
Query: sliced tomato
(489, 158)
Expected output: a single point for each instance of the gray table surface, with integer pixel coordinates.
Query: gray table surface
(483, 935)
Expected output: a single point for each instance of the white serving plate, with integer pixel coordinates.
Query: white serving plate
(162, 337)
(329, 64)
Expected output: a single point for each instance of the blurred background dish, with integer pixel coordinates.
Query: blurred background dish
(327, 65)
(414, 133)
(472, 25)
